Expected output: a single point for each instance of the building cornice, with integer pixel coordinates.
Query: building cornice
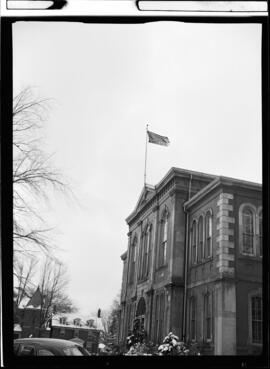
(217, 183)
(166, 186)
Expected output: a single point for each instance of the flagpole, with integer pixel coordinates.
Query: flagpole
(146, 141)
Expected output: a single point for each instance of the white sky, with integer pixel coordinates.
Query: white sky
(198, 84)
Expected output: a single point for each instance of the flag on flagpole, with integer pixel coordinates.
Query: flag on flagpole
(157, 139)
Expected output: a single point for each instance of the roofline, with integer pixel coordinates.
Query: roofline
(227, 181)
(168, 176)
(216, 180)
(186, 172)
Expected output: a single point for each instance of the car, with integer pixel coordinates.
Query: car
(48, 347)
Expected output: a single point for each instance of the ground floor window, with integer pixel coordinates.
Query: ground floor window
(208, 317)
(192, 315)
(256, 319)
(159, 317)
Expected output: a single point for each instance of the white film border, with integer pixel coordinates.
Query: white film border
(132, 8)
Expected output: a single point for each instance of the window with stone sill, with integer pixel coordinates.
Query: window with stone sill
(260, 234)
(208, 235)
(193, 243)
(200, 241)
(208, 317)
(132, 261)
(250, 230)
(192, 318)
(145, 257)
(255, 318)
(159, 317)
(163, 246)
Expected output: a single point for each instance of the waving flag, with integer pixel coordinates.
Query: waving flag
(157, 139)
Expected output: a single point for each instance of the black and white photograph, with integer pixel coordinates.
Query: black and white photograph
(137, 188)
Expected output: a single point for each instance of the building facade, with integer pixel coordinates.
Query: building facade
(194, 263)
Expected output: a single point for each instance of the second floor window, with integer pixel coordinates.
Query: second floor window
(146, 252)
(260, 233)
(193, 243)
(248, 231)
(163, 240)
(200, 234)
(132, 261)
(208, 235)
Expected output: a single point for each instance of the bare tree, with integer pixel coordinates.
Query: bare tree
(52, 285)
(110, 321)
(24, 271)
(33, 173)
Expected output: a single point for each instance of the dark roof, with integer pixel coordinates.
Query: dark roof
(36, 299)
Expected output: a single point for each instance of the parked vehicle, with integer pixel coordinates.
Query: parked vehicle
(48, 347)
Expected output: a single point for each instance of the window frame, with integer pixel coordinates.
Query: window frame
(163, 239)
(254, 294)
(132, 261)
(159, 318)
(193, 246)
(21, 348)
(248, 222)
(146, 244)
(260, 232)
(208, 235)
(208, 317)
(192, 319)
(200, 247)
(256, 239)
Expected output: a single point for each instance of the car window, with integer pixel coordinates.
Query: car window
(27, 350)
(15, 348)
(45, 352)
(72, 351)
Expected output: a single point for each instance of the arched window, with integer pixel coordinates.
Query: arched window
(208, 235)
(163, 240)
(248, 231)
(200, 235)
(260, 233)
(146, 250)
(193, 243)
(139, 321)
(192, 319)
(132, 260)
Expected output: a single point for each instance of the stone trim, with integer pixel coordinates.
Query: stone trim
(225, 235)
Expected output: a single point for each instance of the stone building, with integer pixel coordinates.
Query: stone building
(194, 263)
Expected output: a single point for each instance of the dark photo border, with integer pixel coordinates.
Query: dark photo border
(9, 359)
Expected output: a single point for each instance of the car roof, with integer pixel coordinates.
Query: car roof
(49, 342)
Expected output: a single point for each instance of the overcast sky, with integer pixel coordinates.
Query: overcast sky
(198, 84)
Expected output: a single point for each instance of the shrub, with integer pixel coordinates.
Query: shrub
(172, 346)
